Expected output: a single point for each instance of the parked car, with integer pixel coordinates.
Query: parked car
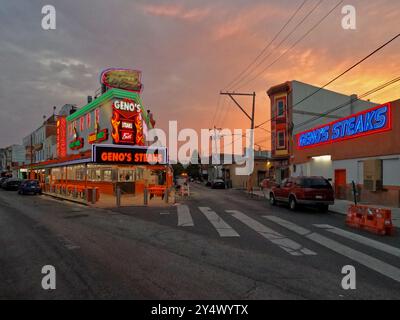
(310, 191)
(30, 187)
(218, 184)
(11, 184)
(208, 183)
(2, 180)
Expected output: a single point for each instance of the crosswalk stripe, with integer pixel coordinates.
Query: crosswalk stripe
(362, 258)
(184, 217)
(360, 239)
(224, 229)
(286, 244)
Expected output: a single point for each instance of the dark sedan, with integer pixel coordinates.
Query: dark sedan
(30, 187)
(218, 184)
(11, 184)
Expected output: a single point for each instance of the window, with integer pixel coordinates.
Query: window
(280, 108)
(81, 124)
(280, 140)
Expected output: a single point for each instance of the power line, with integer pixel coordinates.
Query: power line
(294, 45)
(349, 69)
(376, 89)
(339, 76)
(216, 109)
(244, 71)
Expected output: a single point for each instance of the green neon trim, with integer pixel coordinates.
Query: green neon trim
(100, 135)
(111, 93)
(76, 143)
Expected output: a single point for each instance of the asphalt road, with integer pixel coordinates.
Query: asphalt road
(219, 244)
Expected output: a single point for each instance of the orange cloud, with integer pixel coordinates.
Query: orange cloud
(176, 11)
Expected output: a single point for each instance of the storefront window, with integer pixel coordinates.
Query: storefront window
(107, 175)
(80, 174)
(126, 175)
(94, 175)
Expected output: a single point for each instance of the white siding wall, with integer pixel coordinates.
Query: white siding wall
(321, 102)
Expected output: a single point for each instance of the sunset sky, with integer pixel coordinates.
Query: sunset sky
(188, 52)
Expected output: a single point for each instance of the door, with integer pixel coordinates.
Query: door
(340, 183)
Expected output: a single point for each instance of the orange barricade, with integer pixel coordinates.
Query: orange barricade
(372, 219)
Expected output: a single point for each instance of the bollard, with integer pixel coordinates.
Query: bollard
(94, 195)
(145, 194)
(75, 195)
(166, 195)
(118, 196)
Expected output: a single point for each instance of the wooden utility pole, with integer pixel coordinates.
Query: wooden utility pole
(253, 109)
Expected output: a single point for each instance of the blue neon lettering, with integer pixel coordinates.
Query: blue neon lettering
(350, 126)
(359, 125)
(335, 131)
(381, 118)
(369, 117)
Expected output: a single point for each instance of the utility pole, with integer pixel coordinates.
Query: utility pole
(253, 109)
(216, 158)
(31, 156)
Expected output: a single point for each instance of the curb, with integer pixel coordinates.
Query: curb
(65, 199)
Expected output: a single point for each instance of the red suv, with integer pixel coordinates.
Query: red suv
(310, 191)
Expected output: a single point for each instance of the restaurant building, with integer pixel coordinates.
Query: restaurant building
(102, 146)
(341, 138)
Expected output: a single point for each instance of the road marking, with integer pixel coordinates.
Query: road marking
(283, 242)
(362, 258)
(360, 239)
(165, 213)
(184, 217)
(224, 229)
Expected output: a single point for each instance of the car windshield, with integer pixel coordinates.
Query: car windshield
(31, 183)
(314, 183)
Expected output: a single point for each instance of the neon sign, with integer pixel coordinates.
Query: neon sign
(109, 154)
(371, 121)
(127, 123)
(62, 137)
(98, 135)
(78, 142)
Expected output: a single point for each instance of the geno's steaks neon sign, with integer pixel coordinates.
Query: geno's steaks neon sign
(371, 121)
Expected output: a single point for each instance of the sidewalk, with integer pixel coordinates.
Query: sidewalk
(340, 206)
